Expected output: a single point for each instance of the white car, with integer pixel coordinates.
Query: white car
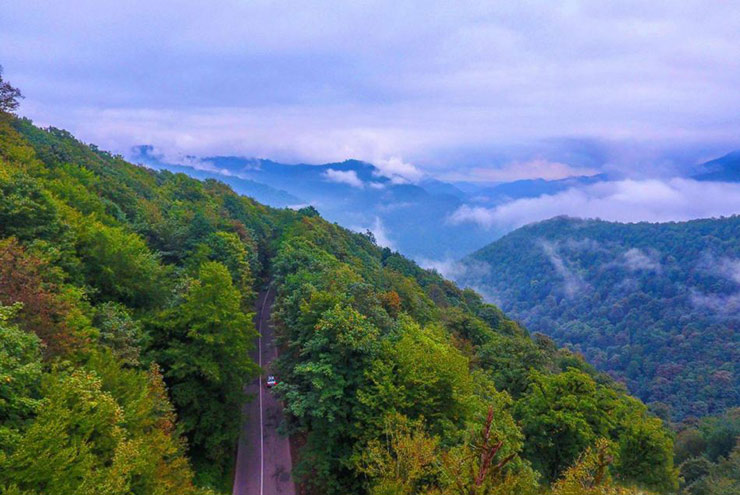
(271, 381)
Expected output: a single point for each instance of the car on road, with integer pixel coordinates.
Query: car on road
(271, 381)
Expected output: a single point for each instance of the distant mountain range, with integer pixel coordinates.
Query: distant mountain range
(724, 169)
(410, 217)
(405, 216)
(655, 305)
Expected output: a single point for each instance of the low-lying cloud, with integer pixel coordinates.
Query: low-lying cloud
(620, 201)
(636, 259)
(533, 169)
(572, 282)
(397, 170)
(348, 177)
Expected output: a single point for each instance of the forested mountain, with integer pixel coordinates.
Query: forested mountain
(723, 169)
(355, 194)
(125, 321)
(655, 305)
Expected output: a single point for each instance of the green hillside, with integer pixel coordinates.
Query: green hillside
(655, 305)
(125, 316)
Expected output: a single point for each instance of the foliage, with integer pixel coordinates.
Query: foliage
(709, 454)
(9, 95)
(203, 344)
(654, 305)
(370, 338)
(127, 353)
(85, 409)
(590, 474)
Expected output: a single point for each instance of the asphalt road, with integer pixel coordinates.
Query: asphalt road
(263, 461)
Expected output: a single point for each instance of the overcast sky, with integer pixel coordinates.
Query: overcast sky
(463, 90)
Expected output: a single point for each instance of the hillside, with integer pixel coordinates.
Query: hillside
(655, 305)
(352, 193)
(723, 169)
(125, 314)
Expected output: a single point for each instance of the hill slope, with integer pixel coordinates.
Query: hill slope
(655, 305)
(125, 300)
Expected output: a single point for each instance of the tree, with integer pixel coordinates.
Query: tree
(20, 377)
(408, 461)
(646, 454)
(229, 250)
(119, 264)
(119, 332)
(9, 95)
(590, 475)
(405, 461)
(49, 310)
(72, 446)
(561, 415)
(202, 345)
(484, 464)
(27, 210)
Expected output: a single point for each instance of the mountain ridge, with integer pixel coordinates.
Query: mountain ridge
(624, 294)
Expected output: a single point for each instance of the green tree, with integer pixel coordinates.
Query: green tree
(646, 454)
(590, 475)
(202, 345)
(73, 445)
(20, 378)
(561, 416)
(9, 95)
(119, 265)
(27, 210)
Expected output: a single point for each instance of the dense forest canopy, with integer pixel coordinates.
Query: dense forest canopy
(655, 305)
(125, 325)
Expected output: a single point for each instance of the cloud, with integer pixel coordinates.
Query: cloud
(729, 268)
(636, 259)
(348, 177)
(470, 273)
(725, 304)
(533, 169)
(398, 171)
(621, 201)
(447, 91)
(381, 234)
(572, 281)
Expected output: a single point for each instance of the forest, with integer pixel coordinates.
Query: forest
(655, 305)
(126, 301)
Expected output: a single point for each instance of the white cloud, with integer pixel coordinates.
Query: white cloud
(533, 169)
(348, 177)
(721, 304)
(728, 305)
(636, 259)
(572, 281)
(729, 268)
(621, 201)
(381, 234)
(307, 81)
(398, 171)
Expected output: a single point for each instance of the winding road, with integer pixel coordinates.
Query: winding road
(263, 462)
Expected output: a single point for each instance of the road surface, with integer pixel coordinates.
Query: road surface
(263, 461)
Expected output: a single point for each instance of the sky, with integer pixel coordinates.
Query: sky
(475, 91)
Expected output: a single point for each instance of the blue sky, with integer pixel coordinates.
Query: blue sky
(460, 90)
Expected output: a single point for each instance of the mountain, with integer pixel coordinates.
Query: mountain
(411, 217)
(260, 192)
(352, 193)
(126, 298)
(724, 169)
(657, 306)
(528, 188)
